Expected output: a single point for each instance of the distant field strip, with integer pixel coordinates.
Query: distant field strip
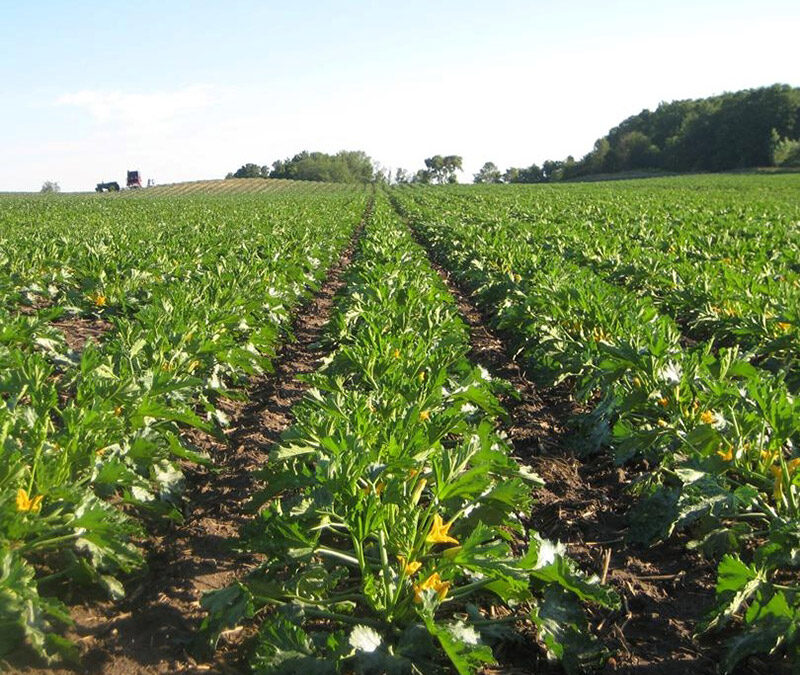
(234, 186)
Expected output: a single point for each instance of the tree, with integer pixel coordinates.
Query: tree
(422, 176)
(596, 160)
(381, 174)
(635, 151)
(730, 131)
(551, 170)
(786, 152)
(533, 174)
(250, 171)
(345, 166)
(489, 173)
(401, 176)
(50, 187)
(443, 169)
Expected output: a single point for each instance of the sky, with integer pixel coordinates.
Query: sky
(188, 90)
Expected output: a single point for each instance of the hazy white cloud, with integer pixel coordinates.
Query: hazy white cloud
(162, 132)
(126, 108)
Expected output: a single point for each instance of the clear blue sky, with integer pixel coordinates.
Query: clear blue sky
(188, 90)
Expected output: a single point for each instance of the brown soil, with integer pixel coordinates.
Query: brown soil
(150, 631)
(33, 306)
(664, 589)
(78, 331)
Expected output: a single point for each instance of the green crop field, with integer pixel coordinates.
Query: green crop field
(399, 520)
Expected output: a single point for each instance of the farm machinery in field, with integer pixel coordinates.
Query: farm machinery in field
(134, 182)
(134, 179)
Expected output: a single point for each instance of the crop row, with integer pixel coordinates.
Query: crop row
(724, 267)
(392, 520)
(719, 434)
(232, 186)
(186, 300)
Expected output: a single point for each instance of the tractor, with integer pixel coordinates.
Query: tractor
(134, 179)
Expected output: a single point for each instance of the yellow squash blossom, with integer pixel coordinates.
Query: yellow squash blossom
(777, 472)
(598, 334)
(396, 353)
(380, 486)
(784, 326)
(410, 568)
(99, 300)
(707, 417)
(433, 582)
(424, 416)
(777, 489)
(439, 533)
(791, 465)
(663, 401)
(418, 491)
(726, 455)
(25, 503)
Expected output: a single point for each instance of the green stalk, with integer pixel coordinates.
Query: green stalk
(4, 433)
(384, 562)
(461, 591)
(332, 600)
(37, 544)
(331, 553)
(787, 479)
(344, 618)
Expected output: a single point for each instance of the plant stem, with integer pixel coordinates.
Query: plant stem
(350, 560)
(343, 618)
(44, 543)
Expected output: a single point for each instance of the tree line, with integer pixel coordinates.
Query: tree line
(739, 130)
(350, 166)
(347, 166)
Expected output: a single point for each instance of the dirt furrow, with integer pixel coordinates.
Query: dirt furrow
(152, 629)
(666, 588)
